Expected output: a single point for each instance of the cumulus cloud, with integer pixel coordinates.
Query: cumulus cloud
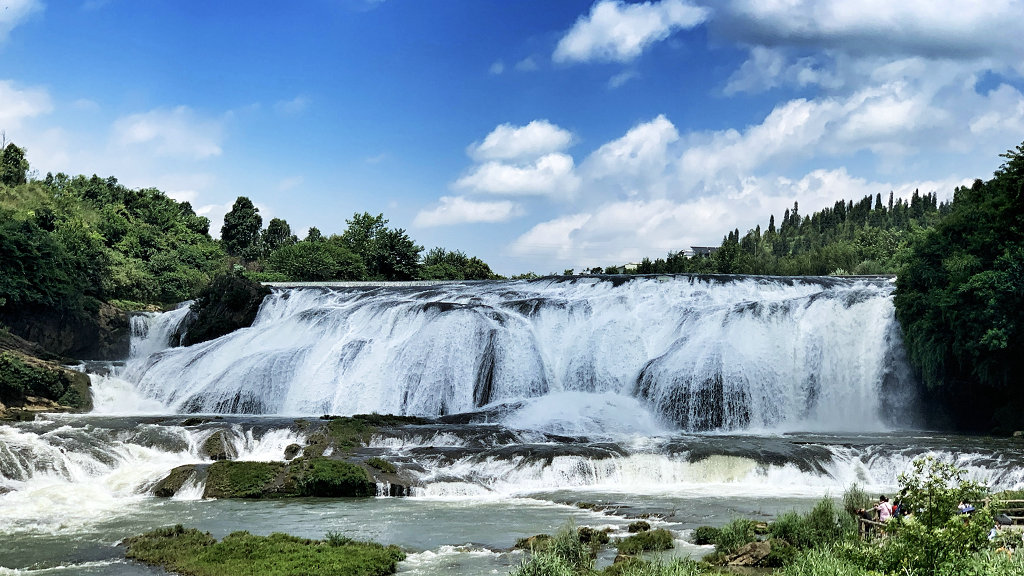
(522, 160)
(929, 28)
(551, 174)
(175, 132)
(619, 32)
(459, 210)
(638, 158)
(14, 12)
(508, 142)
(18, 104)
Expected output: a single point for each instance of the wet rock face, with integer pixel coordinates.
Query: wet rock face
(100, 335)
(173, 482)
(229, 303)
(219, 447)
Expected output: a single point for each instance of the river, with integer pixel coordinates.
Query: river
(691, 400)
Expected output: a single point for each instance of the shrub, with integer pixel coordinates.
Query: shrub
(794, 529)
(734, 535)
(638, 526)
(705, 535)
(855, 498)
(650, 540)
(782, 554)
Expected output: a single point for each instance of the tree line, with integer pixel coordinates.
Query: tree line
(366, 250)
(68, 243)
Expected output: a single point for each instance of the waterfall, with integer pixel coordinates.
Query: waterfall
(697, 353)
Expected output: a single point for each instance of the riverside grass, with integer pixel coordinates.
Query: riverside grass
(190, 552)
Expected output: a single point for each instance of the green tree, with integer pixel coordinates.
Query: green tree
(389, 254)
(277, 234)
(13, 166)
(241, 230)
(316, 262)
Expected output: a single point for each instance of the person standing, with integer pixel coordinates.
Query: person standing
(884, 509)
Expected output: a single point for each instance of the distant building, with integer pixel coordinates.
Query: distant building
(702, 251)
(631, 267)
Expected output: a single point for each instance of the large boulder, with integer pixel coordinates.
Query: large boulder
(750, 555)
(230, 302)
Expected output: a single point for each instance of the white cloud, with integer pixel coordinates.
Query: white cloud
(497, 68)
(641, 152)
(290, 183)
(551, 174)
(622, 78)
(19, 104)
(508, 142)
(550, 239)
(176, 132)
(459, 210)
(933, 29)
(291, 107)
(616, 31)
(526, 65)
(14, 12)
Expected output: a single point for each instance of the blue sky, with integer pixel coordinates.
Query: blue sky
(537, 135)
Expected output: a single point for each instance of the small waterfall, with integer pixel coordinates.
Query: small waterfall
(152, 332)
(699, 353)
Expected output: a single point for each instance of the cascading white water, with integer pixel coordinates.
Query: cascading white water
(702, 353)
(152, 331)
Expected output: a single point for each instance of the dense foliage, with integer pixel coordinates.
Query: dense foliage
(960, 300)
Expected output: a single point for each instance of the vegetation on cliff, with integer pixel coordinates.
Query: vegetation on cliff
(29, 382)
(189, 551)
(960, 300)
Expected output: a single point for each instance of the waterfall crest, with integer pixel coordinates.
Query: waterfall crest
(700, 353)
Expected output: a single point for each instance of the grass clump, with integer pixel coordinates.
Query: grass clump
(648, 541)
(562, 555)
(734, 536)
(675, 567)
(382, 465)
(189, 551)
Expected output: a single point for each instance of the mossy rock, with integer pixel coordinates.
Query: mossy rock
(173, 482)
(219, 446)
(346, 433)
(651, 540)
(536, 543)
(324, 477)
(382, 465)
(291, 451)
(26, 381)
(227, 479)
(638, 526)
(588, 535)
